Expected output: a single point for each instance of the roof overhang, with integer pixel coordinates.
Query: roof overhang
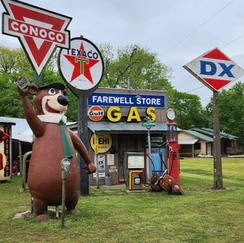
(187, 141)
(125, 127)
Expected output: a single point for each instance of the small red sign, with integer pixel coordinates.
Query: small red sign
(96, 113)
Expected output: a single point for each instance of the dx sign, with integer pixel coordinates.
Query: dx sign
(211, 69)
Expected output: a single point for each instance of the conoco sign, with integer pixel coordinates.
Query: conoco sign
(40, 31)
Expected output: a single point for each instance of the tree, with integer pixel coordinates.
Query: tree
(231, 109)
(188, 109)
(14, 63)
(11, 105)
(134, 67)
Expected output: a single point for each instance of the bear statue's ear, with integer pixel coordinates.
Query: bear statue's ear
(33, 89)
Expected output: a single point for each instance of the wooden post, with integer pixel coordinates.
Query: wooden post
(96, 159)
(218, 179)
(20, 158)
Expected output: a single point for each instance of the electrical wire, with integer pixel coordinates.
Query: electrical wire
(233, 41)
(195, 89)
(196, 29)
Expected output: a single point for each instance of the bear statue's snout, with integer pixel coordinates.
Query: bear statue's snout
(63, 100)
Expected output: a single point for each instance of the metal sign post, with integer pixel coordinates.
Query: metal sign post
(148, 124)
(83, 135)
(96, 159)
(81, 67)
(215, 70)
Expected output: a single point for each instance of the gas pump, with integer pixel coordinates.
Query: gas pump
(134, 169)
(169, 181)
(173, 146)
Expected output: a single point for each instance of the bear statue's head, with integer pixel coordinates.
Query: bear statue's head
(50, 99)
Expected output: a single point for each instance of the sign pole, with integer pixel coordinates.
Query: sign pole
(218, 179)
(39, 78)
(83, 135)
(96, 159)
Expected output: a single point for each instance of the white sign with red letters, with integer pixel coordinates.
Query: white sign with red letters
(40, 31)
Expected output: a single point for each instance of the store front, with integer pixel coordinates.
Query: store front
(115, 119)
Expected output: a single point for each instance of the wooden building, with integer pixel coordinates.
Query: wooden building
(199, 142)
(120, 130)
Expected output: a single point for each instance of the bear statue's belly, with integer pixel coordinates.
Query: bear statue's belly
(45, 174)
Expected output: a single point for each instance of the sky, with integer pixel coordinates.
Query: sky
(177, 30)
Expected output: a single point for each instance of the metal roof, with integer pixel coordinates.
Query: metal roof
(125, 127)
(21, 131)
(222, 134)
(6, 120)
(199, 135)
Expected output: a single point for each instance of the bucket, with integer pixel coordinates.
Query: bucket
(108, 180)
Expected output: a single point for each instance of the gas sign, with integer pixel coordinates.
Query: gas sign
(96, 113)
(39, 31)
(214, 69)
(81, 66)
(101, 143)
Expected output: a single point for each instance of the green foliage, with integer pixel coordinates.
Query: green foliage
(134, 67)
(13, 64)
(188, 108)
(231, 110)
(11, 105)
(115, 216)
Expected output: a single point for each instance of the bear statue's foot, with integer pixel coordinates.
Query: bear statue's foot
(73, 211)
(42, 217)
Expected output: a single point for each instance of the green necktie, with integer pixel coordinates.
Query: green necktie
(68, 153)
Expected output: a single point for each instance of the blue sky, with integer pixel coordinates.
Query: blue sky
(177, 30)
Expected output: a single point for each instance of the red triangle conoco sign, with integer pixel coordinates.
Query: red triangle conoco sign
(214, 69)
(40, 31)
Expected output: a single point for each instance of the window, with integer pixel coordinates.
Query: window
(197, 146)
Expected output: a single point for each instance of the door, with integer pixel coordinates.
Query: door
(126, 143)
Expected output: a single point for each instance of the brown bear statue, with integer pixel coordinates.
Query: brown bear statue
(44, 175)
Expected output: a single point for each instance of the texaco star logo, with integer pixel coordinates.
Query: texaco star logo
(82, 63)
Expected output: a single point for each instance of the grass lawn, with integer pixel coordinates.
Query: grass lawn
(112, 215)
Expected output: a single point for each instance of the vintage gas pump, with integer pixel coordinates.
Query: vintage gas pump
(173, 146)
(135, 166)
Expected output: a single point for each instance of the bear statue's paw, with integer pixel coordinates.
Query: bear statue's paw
(73, 211)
